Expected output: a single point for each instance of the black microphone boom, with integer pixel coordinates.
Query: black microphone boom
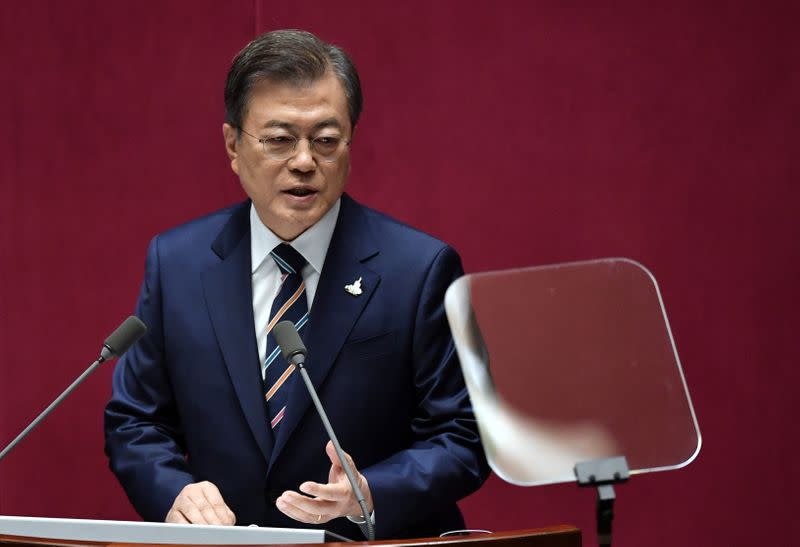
(115, 345)
(295, 352)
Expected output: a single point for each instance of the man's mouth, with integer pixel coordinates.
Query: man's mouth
(300, 192)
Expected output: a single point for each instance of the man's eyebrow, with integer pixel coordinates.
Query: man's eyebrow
(278, 123)
(330, 122)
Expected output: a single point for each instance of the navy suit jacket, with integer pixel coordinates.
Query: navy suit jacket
(188, 404)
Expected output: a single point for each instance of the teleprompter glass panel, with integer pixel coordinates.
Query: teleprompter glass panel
(569, 363)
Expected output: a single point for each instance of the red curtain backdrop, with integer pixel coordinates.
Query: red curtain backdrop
(523, 133)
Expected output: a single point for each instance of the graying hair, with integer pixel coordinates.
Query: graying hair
(293, 56)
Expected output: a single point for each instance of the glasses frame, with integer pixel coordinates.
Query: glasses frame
(263, 141)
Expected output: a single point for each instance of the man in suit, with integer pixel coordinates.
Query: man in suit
(188, 432)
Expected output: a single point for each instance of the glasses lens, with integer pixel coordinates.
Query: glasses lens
(327, 148)
(279, 147)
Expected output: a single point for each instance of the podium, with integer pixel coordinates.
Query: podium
(106, 533)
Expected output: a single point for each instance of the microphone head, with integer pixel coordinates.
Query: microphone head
(289, 341)
(126, 335)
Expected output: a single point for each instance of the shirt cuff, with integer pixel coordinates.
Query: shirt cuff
(358, 520)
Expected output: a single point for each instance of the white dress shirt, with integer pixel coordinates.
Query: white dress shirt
(266, 276)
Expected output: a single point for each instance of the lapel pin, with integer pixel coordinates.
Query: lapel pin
(355, 288)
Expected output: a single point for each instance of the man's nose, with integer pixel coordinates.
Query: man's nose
(302, 160)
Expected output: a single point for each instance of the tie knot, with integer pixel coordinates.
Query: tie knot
(288, 260)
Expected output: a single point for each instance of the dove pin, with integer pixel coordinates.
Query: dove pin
(354, 288)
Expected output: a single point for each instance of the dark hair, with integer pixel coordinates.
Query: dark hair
(292, 56)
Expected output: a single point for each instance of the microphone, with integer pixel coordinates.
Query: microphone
(118, 342)
(294, 351)
(126, 335)
(292, 347)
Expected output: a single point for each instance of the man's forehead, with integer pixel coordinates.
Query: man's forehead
(322, 102)
(265, 83)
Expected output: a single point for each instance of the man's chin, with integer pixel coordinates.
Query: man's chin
(296, 222)
(288, 218)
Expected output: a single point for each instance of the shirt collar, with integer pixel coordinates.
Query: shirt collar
(312, 244)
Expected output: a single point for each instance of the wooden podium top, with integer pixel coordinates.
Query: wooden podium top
(553, 536)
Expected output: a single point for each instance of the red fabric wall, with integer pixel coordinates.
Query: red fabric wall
(521, 132)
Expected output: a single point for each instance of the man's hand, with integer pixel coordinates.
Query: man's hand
(200, 503)
(326, 502)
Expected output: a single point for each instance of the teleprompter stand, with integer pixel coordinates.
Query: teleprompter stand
(603, 474)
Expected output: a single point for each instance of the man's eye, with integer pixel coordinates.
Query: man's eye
(327, 141)
(279, 139)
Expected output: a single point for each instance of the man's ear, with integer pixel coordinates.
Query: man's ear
(231, 136)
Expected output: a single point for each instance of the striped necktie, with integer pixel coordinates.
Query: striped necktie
(291, 304)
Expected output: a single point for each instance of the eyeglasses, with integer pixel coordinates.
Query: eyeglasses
(282, 146)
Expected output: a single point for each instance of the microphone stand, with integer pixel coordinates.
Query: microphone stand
(115, 345)
(367, 527)
(78, 381)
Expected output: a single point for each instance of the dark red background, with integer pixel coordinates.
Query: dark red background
(521, 132)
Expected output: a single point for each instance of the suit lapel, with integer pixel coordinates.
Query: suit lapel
(227, 287)
(334, 311)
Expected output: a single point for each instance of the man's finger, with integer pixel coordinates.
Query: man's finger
(330, 450)
(230, 517)
(350, 461)
(314, 506)
(337, 472)
(198, 500)
(298, 515)
(211, 515)
(200, 503)
(339, 487)
(176, 517)
(338, 491)
(192, 513)
(305, 509)
(212, 495)
(210, 492)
